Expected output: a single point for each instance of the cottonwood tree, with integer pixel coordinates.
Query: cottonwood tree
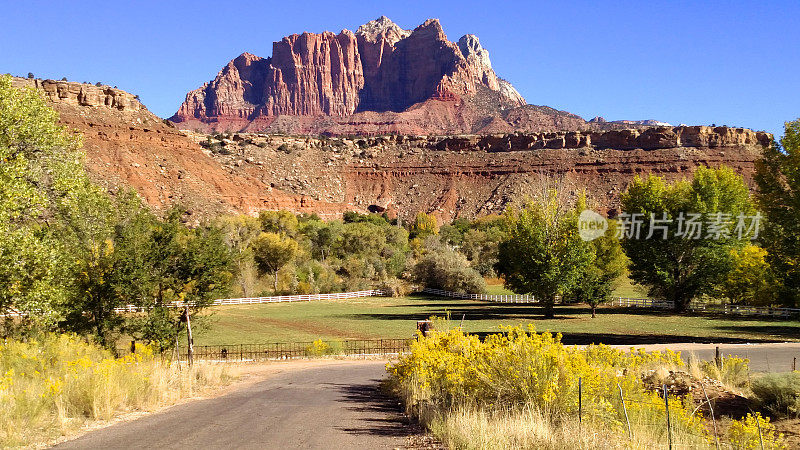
(778, 196)
(41, 174)
(601, 276)
(172, 263)
(543, 253)
(681, 261)
(273, 251)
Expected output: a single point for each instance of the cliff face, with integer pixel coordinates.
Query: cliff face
(127, 146)
(451, 176)
(328, 82)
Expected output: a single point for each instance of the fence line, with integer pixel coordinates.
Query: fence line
(499, 298)
(628, 302)
(292, 350)
(642, 303)
(245, 301)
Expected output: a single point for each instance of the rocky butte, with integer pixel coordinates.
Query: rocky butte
(381, 79)
(437, 130)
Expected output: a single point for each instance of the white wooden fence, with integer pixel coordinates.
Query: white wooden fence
(509, 298)
(642, 303)
(743, 310)
(247, 301)
(627, 302)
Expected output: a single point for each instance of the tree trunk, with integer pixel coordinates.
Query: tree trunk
(549, 309)
(275, 283)
(594, 311)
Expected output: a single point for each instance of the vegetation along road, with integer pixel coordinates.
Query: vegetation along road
(321, 404)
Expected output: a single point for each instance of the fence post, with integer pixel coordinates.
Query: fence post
(794, 364)
(713, 419)
(666, 405)
(758, 425)
(625, 410)
(580, 401)
(717, 359)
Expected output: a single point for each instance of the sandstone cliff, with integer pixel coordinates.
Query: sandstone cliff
(379, 79)
(450, 175)
(127, 146)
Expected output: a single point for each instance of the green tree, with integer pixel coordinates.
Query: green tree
(89, 232)
(778, 196)
(543, 253)
(444, 268)
(41, 175)
(172, 263)
(683, 267)
(272, 251)
(601, 275)
(279, 222)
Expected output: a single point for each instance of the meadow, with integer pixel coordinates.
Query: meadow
(384, 317)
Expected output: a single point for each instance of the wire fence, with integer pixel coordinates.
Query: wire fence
(664, 421)
(297, 350)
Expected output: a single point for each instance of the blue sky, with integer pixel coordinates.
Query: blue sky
(731, 62)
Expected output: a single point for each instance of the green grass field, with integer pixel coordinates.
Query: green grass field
(380, 317)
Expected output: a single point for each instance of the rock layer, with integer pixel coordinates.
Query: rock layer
(452, 176)
(329, 81)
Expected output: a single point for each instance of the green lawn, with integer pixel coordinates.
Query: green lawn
(380, 317)
(625, 288)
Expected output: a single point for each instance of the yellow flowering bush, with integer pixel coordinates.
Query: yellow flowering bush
(744, 434)
(55, 383)
(521, 369)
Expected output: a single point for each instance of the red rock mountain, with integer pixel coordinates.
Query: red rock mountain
(380, 79)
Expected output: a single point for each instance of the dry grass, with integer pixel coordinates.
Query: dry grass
(53, 386)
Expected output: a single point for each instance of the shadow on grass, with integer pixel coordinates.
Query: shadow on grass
(774, 331)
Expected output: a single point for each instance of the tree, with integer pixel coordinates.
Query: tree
(424, 225)
(238, 232)
(690, 255)
(278, 222)
(601, 275)
(778, 196)
(272, 251)
(750, 281)
(41, 174)
(173, 263)
(543, 254)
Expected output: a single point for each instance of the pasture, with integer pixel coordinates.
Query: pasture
(383, 317)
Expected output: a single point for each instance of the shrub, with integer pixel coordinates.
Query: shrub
(732, 371)
(778, 393)
(442, 268)
(55, 384)
(523, 371)
(322, 348)
(745, 434)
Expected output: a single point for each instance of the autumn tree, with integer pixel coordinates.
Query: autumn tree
(273, 251)
(778, 196)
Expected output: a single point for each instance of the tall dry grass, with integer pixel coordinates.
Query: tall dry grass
(53, 385)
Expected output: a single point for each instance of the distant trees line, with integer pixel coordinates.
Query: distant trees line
(70, 253)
